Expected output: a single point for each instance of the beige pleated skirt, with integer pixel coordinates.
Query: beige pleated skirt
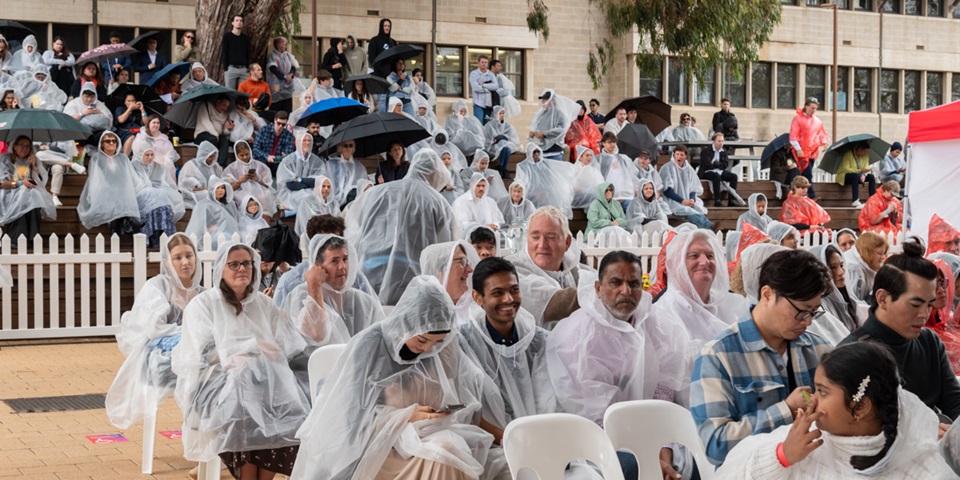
(396, 467)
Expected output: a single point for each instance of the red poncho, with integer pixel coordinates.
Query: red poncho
(943, 320)
(661, 280)
(810, 134)
(873, 209)
(584, 133)
(940, 233)
(804, 210)
(749, 235)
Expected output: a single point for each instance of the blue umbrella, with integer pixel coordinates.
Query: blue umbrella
(332, 111)
(182, 68)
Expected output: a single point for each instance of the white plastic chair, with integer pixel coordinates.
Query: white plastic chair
(547, 443)
(210, 470)
(644, 426)
(149, 437)
(321, 364)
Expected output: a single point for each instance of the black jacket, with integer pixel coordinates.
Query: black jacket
(706, 160)
(377, 45)
(718, 119)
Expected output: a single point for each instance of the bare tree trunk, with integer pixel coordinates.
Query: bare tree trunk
(214, 18)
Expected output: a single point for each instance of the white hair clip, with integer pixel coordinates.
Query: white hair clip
(861, 389)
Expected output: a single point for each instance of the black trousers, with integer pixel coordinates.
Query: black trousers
(222, 143)
(28, 225)
(716, 179)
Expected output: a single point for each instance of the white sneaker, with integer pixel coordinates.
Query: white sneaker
(57, 202)
(76, 167)
(857, 204)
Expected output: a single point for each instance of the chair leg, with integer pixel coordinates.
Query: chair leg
(149, 436)
(209, 470)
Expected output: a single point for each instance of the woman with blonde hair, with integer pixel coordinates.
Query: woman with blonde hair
(863, 263)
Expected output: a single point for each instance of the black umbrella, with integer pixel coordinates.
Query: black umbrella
(375, 132)
(777, 144)
(152, 102)
(278, 244)
(392, 54)
(184, 110)
(372, 84)
(635, 137)
(140, 42)
(651, 111)
(332, 111)
(14, 30)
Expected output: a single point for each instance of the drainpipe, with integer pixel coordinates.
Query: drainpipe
(880, 73)
(96, 29)
(432, 56)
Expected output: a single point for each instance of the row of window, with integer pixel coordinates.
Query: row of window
(929, 8)
(776, 85)
(76, 37)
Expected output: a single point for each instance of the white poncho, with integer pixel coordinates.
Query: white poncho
(859, 275)
(16, 202)
(214, 216)
(316, 204)
(538, 286)
(751, 216)
(295, 167)
(197, 174)
(464, 131)
(516, 214)
(553, 119)
(249, 224)
(154, 186)
(621, 172)
(345, 174)
(472, 210)
(99, 121)
(684, 182)
(189, 83)
(110, 191)
(263, 189)
(588, 177)
(642, 210)
(500, 134)
(548, 182)
(163, 151)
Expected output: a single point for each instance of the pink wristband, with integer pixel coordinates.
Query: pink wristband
(782, 457)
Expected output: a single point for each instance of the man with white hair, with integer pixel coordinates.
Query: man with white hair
(550, 267)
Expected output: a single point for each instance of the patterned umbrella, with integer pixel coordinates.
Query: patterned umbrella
(104, 53)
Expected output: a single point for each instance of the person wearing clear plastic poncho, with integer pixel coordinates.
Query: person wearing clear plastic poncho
(844, 239)
(476, 207)
(464, 130)
(756, 214)
(783, 234)
(395, 221)
(682, 189)
(196, 174)
(110, 190)
(246, 122)
(249, 177)
(481, 163)
(588, 177)
(452, 264)
(423, 114)
(298, 173)
(618, 170)
(551, 122)
(646, 213)
(441, 142)
(548, 183)
(28, 57)
(306, 99)
(198, 76)
(239, 398)
(38, 90)
(250, 219)
(646, 170)
(158, 200)
(149, 332)
(322, 200)
(483, 239)
(452, 191)
(867, 426)
(89, 111)
(501, 139)
(516, 208)
(699, 296)
(163, 151)
(23, 194)
(827, 325)
(216, 214)
(505, 341)
(549, 267)
(863, 262)
(345, 170)
(840, 302)
(377, 415)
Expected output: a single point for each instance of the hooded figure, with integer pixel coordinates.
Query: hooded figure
(685, 183)
(752, 215)
(216, 214)
(589, 176)
(40, 93)
(839, 302)
(456, 186)
(17, 202)
(110, 190)
(621, 172)
(356, 58)
(190, 81)
(149, 332)
(280, 88)
(250, 222)
(516, 212)
(163, 151)
(552, 121)
(196, 174)
(376, 45)
(779, 232)
(942, 236)
(246, 123)
(345, 173)
(155, 190)
(362, 424)
(481, 163)
(298, 173)
(102, 120)
(548, 183)
(234, 385)
(412, 214)
(646, 210)
(499, 134)
(437, 260)
(470, 209)
(948, 328)
(464, 129)
(322, 201)
(259, 187)
(423, 114)
(6, 58)
(28, 57)
(604, 214)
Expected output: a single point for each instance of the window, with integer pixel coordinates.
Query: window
(843, 75)
(449, 71)
(760, 91)
(512, 61)
(934, 89)
(652, 86)
(473, 55)
(934, 8)
(956, 11)
(891, 6)
(74, 36)
(417, 62)
(786, 86)
(733, 89)
(911, 91)
(39, 32)
(863, 5)
(813, 3)
(300, 48)
(955, 87)
(676, 82)
(705, 93)
(862, 89)
(126, 34)
(889, 91)
(816, 80)
(912, 7)
(788, 2)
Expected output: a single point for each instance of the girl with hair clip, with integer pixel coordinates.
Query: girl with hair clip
(859, 423)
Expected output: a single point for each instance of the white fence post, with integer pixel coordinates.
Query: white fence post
(140, 260)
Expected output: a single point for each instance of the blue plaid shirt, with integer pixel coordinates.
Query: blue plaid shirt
(263, 144)
(739, 385)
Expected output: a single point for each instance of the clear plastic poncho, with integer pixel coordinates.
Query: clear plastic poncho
(163, 151)
(249, 224)
(587, 177)
(684, 182)
(621, 172)
(469, 209)
(440, 143)
(214, 216)
(110, 191)
(145, 379)
(428, 120)
(154, 186)
(859, 275)
(16, 202)
(36, 93)
(834, 303)
(516, 213)
(464, 131)
(495, 187)
(553, 119)
(437, 260)
(511, 106)
(548, 182)
(345, 173)
(499, 135)
(779, 231)
(751, 216)
(363, 411)
(537, 286)
(189, 83)
(234, 385)
(296, 166)
(643, 210)
(316, 204)
(939, 233)
(244, 128)
(197, 174)
(262, 190)
(24, 60)
(392, 223)
(100, 121)
(596, 359)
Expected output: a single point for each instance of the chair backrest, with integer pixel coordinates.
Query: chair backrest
(321, 363)
(547, 443)
(644, 426)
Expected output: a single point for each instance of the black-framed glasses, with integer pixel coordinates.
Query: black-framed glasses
(462, 261)
(234, 266)
(804, 315)
(114, 142)
(189, 36)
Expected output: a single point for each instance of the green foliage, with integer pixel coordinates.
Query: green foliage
(537, 18)
(600, 61)
(288, 25)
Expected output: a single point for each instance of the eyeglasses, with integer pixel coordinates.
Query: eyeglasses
(462, 261)
(114, 142)
(280, 122)
(804, 315)
(189, 36)
(234, 266)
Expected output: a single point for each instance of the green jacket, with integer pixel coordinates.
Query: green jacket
(602, 213)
